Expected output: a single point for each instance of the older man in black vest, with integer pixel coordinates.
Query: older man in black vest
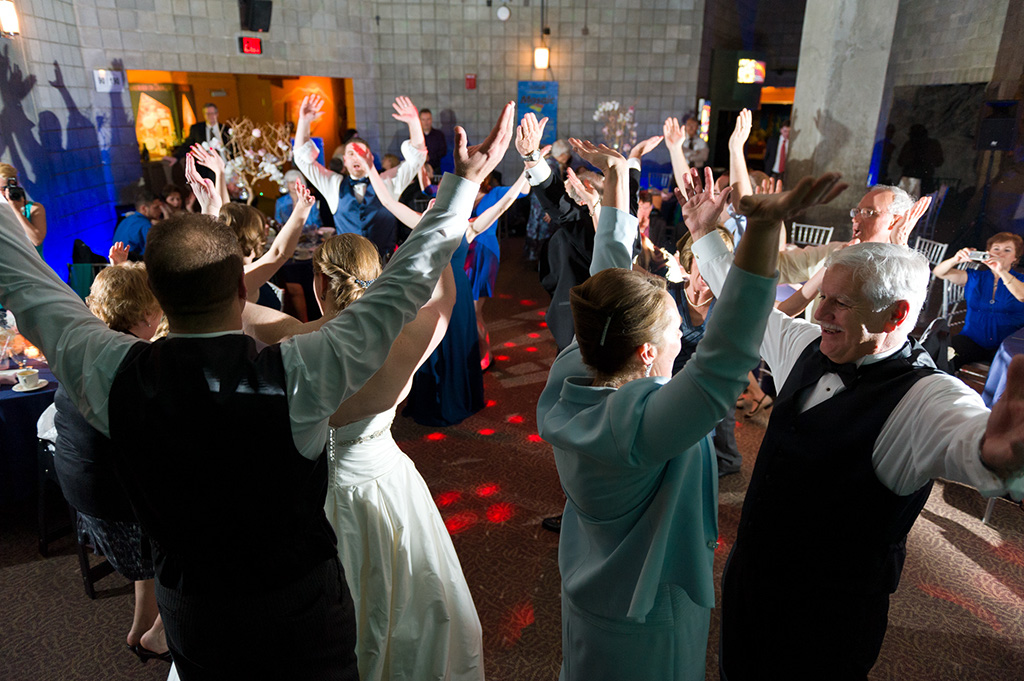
(220, 444)
(862, 424)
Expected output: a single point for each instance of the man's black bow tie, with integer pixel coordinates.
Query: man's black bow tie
(847, 372)
(363, 180)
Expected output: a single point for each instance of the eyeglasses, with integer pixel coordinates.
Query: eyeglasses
(866, 213)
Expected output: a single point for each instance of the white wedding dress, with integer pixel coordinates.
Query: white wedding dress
(415, 617)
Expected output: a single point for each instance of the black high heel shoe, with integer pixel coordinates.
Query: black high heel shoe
(145, 654)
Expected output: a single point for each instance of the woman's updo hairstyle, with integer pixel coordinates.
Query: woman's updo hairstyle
(247, 224)
(351, 263)
(615, 312)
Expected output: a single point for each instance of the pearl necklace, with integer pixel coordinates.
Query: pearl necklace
(696, 305)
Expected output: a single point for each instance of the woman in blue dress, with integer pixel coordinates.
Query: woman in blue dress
(455, 363)
(994, 295)
(631, 446)
(484, 254)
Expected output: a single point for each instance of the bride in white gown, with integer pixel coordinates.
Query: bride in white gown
(414, 613)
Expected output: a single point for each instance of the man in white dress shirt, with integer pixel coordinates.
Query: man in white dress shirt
(862, 424)
(695, 149)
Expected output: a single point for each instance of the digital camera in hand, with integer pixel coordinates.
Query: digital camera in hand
(14, 192)
(979, 256)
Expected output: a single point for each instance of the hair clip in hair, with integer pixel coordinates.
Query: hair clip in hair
(604, 333)
(363, 283)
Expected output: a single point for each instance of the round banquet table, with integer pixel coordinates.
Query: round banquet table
(19, 412)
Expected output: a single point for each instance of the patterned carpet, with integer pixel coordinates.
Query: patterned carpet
(956, 616)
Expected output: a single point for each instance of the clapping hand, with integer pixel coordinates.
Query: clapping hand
(904, 224)
(477, 162)
(580, 191)
(767, 210)
(205, 157)
(600, 156)
(674, 135)
(303, 200)
(405, 111)
(311, 108)
(742, 130)
(769, 186)
(701, 204)
(207, 195)
(529, 133)
(645, 146)
(118, 253)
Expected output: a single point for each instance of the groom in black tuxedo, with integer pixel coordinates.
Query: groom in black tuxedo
(207, 131)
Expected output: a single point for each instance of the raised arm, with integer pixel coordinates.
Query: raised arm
(616, 228)
(210, 200)
(738, 174)
(327, 367)
(414, 152)
(491, 215)
(406, 215)
(83, 353)
(213, 161)
(392, 382)
(1014, 285)
(270, 326)
(674, 137)
(305, 153)
(584, 194)
(947, 269)
(261, 270)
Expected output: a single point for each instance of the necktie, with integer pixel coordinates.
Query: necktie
(782, 155)
(847, 372)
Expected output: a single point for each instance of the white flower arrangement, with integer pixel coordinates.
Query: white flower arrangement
(619, 128)
(257, 153)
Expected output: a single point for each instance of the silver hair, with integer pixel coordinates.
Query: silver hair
(560, 147)
(902, 202)
(887, 273)
(294, 175)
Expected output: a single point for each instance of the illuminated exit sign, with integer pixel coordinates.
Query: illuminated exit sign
(248, 45)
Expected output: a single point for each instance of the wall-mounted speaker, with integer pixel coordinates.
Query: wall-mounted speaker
(255, 15)
(997, 131)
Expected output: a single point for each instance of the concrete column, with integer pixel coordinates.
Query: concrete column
(844, 55)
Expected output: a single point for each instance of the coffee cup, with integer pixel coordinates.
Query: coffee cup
(28, 379)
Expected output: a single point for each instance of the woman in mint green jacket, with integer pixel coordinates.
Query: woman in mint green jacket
(632, 445)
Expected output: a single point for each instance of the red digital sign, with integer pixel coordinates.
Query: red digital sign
(250, 45)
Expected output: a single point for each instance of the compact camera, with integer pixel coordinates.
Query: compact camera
(979, 256)
(14, 192)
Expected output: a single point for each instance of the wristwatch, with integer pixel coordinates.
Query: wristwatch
(533, 156)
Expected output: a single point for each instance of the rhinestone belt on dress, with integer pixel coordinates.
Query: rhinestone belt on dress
(358, 440)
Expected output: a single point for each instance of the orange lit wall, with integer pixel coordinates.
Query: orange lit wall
(287, 98)
(777, 95)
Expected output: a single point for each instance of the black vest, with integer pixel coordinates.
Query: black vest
(203, 443)
(83, 460)
(815, 512)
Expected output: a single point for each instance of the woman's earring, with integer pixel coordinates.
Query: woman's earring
(647, 369)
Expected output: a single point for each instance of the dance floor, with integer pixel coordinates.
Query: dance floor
(956, 616)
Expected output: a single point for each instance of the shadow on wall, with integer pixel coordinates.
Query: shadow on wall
(833, 137)
(67, 168)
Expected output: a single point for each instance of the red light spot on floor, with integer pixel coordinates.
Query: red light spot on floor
(460, 522)
(447, 498)
(534, 438)
(505, 295)
(530, 349)
(487, 489)
(543, 325)
(486, 431)
(509, 344)
(500, 512)
(542, 313)
(978, 611)
(434, 437)
(491, 403)
(527, 302)
(1009, 553)
(518, 618)
(516, 418)
(501, 358)
(533, 335)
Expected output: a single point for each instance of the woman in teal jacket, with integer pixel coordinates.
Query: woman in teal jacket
(632, 448)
